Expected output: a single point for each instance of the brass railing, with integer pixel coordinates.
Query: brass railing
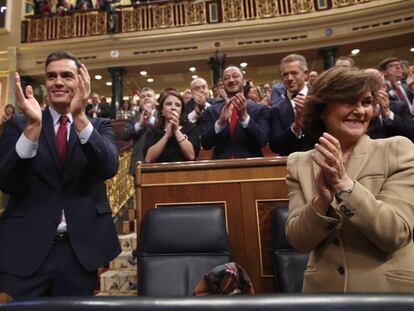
(163, 14)
(120, 188)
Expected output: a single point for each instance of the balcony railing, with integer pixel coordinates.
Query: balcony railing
(167, 14)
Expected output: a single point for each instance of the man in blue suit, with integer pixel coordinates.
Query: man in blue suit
(235, 127)
(57, 228)
(286, 134)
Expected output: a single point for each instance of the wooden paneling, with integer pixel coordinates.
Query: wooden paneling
(247, 188)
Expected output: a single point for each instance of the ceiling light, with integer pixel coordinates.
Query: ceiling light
(150, 80)
(243, 65)
(143, 73)
(192, 69)
(114, 53)
(244, 72)
(194, 76)
(412, 50)
(98, 77)
(109, 83)
(355, 51)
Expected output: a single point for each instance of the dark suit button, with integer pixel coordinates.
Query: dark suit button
(335, 242)
(341, 270)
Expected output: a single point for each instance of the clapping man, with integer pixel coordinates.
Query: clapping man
(57, 228)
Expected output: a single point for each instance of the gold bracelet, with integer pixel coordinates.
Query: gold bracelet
(185, 137)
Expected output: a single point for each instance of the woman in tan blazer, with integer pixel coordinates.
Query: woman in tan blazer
(351, 199)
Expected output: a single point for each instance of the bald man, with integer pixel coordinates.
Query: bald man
(233, 127)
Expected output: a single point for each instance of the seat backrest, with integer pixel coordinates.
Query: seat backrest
(177, 246)
(288, 264)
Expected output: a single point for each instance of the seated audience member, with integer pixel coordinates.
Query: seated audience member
(252, 92)
(235, 127)
(286, 133)
(125, 112)
(394, 116)
(97, 109)
(313, 76)
(7, 113)
(345, 61)
(173, 138)
(187, 96)
(200, 100)
(393, 73)
(137, 126)
(351, 199)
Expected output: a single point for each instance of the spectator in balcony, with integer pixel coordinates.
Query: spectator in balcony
(393, 73)
(173, 138)
(6, 114)
(345, 61)
(64, 7)
(286, 132)
(80, 4)
(394, 116)
(97, 109)
(196, 106)
(57, 228)
(47, 7)
(137, 126)
(125, 112)
(235, 127)
(351, 198)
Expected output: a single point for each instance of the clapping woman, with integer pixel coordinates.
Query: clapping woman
(351, 199)
(173, 139)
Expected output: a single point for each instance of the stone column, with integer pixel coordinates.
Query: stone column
(117, 74)
(329, 56)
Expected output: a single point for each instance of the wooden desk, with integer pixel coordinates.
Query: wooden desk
(247, 189)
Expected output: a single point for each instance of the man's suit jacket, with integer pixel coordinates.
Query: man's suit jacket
(105, 110)
(392, 94)
(402, 124)
(129, 133)
(39, 189)
(282, 140)
(247, 142)
(365, 243)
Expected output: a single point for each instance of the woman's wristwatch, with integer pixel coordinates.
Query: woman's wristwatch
(344, 194)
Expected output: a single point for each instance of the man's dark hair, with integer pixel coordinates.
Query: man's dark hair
(58, 55)
(384, 63)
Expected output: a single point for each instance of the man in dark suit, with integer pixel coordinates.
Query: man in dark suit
(97, 109)
(136, 127)
(394, 116)
(286, 134)
(397, 90)
(234, 127)
(57, 228)
(201, 100)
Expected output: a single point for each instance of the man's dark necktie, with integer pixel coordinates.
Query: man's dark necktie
(62, 139)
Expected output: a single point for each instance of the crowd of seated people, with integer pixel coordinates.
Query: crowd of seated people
(237, 118)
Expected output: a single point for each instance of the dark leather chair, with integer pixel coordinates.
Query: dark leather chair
(288, 263)
(177, 246)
